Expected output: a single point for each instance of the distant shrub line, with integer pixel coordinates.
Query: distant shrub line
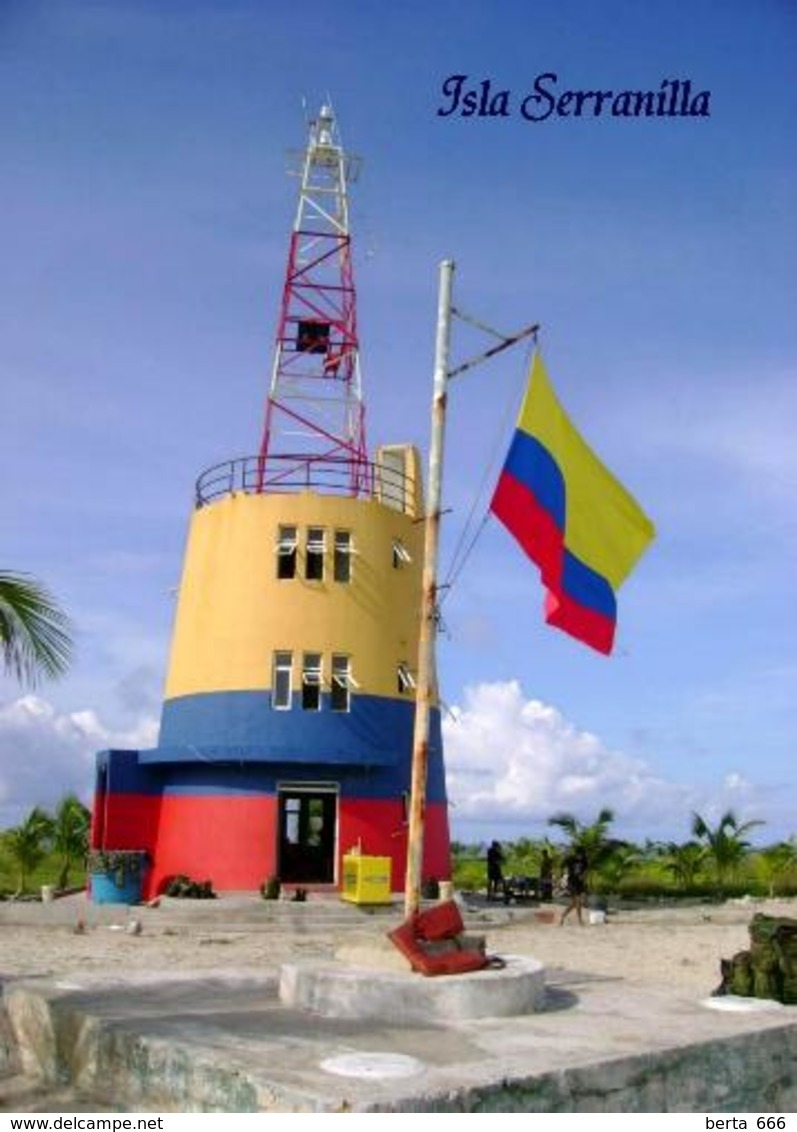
(716, 862)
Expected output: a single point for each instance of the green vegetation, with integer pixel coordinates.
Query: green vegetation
(777, 863)
(45, 848)
(685, 862)
(183, 887)
(26, 845)
(270, 889)
(69, 836)
(603, 854)
(715, 863)
(726, 846)
(36, 643)
(35, 633)
(121, 865)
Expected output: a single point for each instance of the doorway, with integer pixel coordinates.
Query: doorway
(307, 829)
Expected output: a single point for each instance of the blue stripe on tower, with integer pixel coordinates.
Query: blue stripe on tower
(234, 742)
(376, 732)
(201, 779)
(227, 780)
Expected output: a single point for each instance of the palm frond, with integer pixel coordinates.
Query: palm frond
(35, 633)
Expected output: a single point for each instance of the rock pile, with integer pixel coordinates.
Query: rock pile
(768, 969)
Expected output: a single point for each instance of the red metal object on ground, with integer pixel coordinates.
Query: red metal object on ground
(441, 927)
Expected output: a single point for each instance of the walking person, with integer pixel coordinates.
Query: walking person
(576, 865)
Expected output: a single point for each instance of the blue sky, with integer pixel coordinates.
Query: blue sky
(144, 225)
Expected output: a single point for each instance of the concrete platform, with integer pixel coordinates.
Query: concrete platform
(228, 1044)
(338, 990)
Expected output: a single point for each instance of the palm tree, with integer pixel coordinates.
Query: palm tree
(35, 633)
(685, 861)
(522, 854)
(70, 834)
(619, 859)
(27, 844)
(726, 843)
(591, 838)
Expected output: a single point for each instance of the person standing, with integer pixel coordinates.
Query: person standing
(495, 871)
(546, 877)
(576, 866)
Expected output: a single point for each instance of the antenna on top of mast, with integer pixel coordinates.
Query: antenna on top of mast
(315, 415)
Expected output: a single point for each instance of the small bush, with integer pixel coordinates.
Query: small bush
(430, 889)
(469, 873)
(120, 864)
(183, 887)
(270, 889)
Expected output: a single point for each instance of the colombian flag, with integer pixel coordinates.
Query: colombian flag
(570, 515)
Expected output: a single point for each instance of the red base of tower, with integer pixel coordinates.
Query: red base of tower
(233, 841)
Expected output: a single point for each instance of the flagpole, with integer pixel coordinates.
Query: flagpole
(425, 678)
(426, 675)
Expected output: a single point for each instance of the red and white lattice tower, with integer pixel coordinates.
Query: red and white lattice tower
(315, 417)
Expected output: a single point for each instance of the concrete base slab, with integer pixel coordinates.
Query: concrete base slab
(228, 1044)
(336, 990)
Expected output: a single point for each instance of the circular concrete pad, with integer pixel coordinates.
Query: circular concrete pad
(373, 1066)
(341, 991)
(738, 1004)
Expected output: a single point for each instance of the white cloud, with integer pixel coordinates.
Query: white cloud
(735, 781)
(514, 761)
(44, 753)
(511, 763)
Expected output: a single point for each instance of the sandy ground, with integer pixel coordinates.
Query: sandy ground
(678, 947)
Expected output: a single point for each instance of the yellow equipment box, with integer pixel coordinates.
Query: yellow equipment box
(366, 880)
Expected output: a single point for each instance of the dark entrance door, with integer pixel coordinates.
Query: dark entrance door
(307, 835)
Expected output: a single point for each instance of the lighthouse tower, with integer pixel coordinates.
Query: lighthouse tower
(286, 731)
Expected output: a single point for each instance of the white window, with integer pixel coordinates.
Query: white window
(286, 552)
(401, 556)
(311, 681)
(343, 552)
(342, 683)
(314, 554)
(406, 681)
(281, 681)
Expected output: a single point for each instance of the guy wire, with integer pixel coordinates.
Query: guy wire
(460, 556)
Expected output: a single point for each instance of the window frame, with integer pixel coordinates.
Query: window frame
(341, 682)
(312, 677)
(404, 678)
(342, 552)
(281, 667)
(287, 551)
(401, 556)
(315, 551)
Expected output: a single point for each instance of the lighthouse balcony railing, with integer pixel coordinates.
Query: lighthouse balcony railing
(324, 475)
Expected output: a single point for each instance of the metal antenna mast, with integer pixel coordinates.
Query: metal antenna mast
(315, 413)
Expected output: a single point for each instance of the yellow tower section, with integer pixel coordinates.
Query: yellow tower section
(302, 574)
